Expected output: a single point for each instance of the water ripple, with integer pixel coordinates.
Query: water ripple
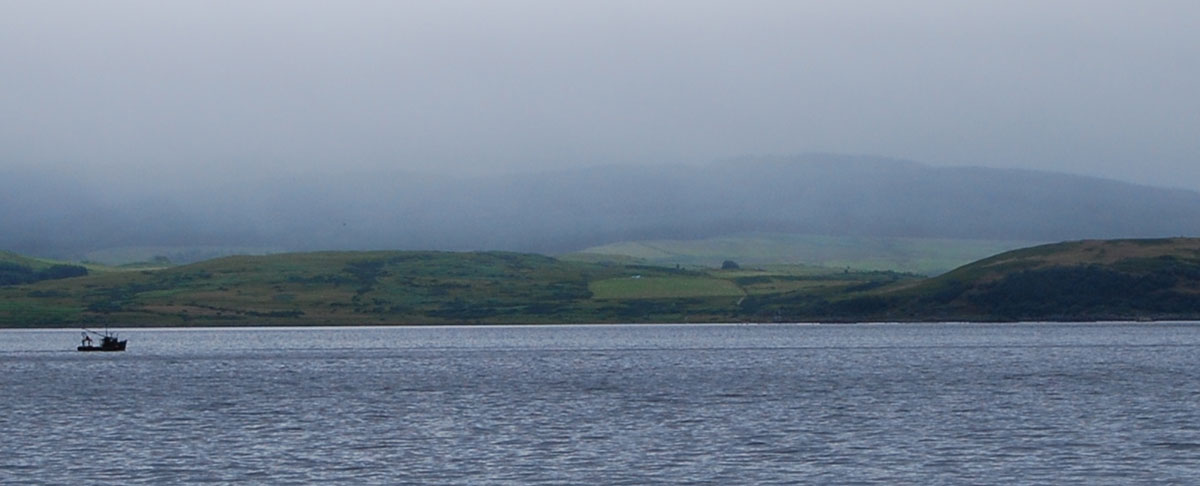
(732, 405)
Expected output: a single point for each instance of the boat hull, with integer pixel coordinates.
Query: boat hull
(117, 346)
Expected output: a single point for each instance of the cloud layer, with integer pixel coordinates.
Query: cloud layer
(161, 91)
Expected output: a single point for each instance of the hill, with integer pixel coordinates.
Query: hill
(21, 260)
(1087, 280)
(1149, 279)
(359, 288)
(559, 212)
(17, 269)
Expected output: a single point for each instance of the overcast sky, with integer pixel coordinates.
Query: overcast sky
(145, 89)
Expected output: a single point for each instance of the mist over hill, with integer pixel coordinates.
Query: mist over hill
(60, 215)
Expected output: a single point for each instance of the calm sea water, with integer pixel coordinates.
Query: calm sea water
(778, 404)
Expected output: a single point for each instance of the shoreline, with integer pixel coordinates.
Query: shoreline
(325, 327)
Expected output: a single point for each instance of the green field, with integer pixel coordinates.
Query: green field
(912, 255)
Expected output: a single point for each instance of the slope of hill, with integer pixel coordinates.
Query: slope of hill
(1126, 279)
(15, 259)
(17, 269)
(1154, 279)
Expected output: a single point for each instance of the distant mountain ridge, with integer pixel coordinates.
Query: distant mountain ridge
(554, 212)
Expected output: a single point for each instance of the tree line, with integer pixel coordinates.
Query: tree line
(17, 274)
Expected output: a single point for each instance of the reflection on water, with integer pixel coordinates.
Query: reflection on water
(918, 404)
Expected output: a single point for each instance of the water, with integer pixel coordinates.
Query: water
(862, 404)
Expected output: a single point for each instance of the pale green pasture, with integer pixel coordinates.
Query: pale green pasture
(917, 255)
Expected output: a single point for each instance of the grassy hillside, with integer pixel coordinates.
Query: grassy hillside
(1129, 279)
(1082, 280)
(349, 288)
(16, 269)
(33, 263)
(913, 255)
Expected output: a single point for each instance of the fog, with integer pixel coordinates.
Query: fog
(568, 210)
(154, 96)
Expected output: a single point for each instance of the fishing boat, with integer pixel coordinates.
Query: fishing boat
(108, 341)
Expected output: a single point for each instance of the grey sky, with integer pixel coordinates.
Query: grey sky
(208, 88)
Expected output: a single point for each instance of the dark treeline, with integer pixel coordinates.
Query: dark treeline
(16, 274)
